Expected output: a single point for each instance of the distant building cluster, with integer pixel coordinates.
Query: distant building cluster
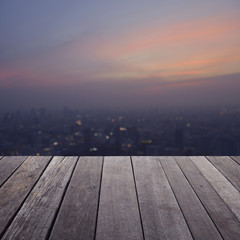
(214, 131)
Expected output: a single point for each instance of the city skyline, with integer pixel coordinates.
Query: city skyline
(109, 54)
(208, 131)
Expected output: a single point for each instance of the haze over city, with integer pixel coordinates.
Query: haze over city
(108, 54)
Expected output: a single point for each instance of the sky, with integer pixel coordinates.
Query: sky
(128, 53)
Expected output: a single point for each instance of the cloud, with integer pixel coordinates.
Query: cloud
(195, 47)
(126, 94)
(177, 52)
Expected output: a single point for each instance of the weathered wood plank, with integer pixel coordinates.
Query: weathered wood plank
(78, 213)
(229, 168)
(224, 188)
(16, 188)
(161, 215)
(236, 158)
(37, 213)
(8, 165)
(198, 220)
(118, 216)
(224, 219)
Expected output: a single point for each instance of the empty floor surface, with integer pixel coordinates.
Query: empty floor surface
(125, 198)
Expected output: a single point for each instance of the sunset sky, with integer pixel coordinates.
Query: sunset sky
(119, 53)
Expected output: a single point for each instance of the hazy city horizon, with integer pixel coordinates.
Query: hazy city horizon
(199, 131)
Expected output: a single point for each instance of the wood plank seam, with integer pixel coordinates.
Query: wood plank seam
(60, 203)
(36, 214)
(217, 192)
(118, 216)
(199, 197)
(13, 171)
(76, 218)
(140, 215)
(177, 200)
(227, 222)
(215, 187)
(219, 170)
(20, 206)
(221, 173)
(99, 192)
(132, 168)
(233, 158)
(201, 200)
(235, 184)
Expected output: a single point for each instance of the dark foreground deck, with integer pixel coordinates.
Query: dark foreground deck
(120, 198)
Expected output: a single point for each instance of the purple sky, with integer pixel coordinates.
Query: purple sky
(129, 53)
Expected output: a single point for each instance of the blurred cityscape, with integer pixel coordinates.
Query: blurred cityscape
(213, 131)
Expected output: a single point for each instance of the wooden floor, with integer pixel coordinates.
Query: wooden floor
(120, 198)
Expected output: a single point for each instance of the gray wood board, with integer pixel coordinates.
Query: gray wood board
(35, 217)
(118, 216)
(224, 188)
(226, 222)
(15, 189)
(77, 216)
(161, 215)
(229, 168)
(236, 158)
(198, 220)
(8, 165)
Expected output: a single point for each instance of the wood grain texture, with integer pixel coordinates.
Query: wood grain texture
(236, 159)
(224, 188)
(118, 216)
(229, 168)
(77, 216)
(198, 220)
(226, 222)
(161, 215)
(16, 188)
(116, 198)
(36, 215)
(8, 165)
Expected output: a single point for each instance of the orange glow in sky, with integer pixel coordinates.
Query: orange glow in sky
(148, 46)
